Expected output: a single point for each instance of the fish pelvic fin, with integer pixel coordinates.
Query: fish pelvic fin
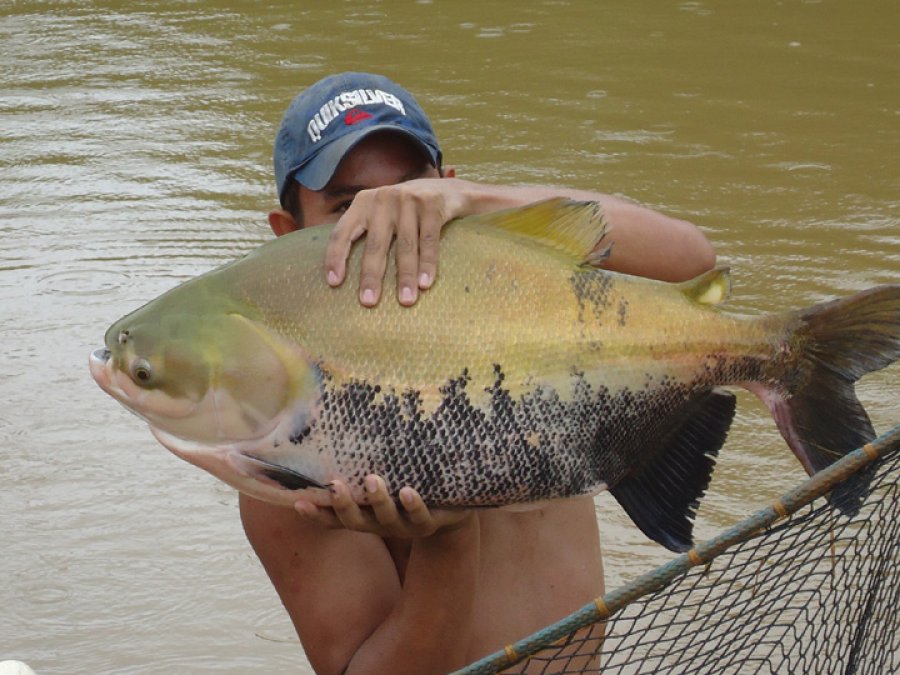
(815, 404)
(284, 476)
(575, 229)
(661, 495)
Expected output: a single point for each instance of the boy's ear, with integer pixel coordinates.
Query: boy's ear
(448, 172)
(282, 222)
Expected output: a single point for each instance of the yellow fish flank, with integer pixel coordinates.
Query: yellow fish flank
(525, 373)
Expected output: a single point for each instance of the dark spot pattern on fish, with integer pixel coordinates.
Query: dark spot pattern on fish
(623, 311)
(534, 446)
(592, 290)
(297, 437)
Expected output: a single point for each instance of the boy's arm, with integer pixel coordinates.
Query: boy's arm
(347, 601)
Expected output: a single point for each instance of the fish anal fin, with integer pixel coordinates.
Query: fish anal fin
(661, 496)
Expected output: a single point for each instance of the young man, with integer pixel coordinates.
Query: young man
(394, 588)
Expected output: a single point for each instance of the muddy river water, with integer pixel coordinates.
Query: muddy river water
(135, 144)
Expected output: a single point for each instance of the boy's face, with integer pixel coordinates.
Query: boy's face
(380, 159)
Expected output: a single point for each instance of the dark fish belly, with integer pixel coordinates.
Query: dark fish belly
(509, 450)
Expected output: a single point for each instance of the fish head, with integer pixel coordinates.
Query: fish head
(210, 376)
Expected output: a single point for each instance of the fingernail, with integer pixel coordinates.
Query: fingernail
(332, 278)
(424, 280)
(407, 295)
(371, 484)
(406, 497)
(368, 297)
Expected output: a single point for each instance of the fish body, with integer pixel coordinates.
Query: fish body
(525, 373)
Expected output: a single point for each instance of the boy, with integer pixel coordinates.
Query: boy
(394, 588)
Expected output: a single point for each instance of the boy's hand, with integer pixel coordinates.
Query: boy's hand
(380, 514)
(414, 212)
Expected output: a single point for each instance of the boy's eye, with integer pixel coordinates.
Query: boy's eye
(342, 206)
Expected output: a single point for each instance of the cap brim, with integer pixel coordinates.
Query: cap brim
(315, 174)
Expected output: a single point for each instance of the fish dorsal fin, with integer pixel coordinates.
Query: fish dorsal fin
(710, 288)
(570, 227)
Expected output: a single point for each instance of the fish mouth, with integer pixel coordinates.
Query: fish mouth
(102, 355)
(97, 363)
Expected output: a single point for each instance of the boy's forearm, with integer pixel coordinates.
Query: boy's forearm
(428, 630)
(645, 242)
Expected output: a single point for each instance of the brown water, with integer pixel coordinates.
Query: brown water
(135, 152)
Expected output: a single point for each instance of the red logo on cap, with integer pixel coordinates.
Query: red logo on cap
(356, 115)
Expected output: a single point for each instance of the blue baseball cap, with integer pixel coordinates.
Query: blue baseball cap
(324, 122)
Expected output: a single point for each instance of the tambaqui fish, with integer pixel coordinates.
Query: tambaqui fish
(525, 373)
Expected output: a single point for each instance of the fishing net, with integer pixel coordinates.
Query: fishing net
(797, 588)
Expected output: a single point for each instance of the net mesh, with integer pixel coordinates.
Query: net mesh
(796, 588)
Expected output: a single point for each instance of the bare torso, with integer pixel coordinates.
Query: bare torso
(534, 567)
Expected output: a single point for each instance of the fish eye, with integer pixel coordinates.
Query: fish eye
(142, 371)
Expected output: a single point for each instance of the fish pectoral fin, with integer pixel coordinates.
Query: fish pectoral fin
(662, 495)
(285, 477)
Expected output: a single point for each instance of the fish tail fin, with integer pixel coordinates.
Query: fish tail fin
(815, 405)
(661, 495)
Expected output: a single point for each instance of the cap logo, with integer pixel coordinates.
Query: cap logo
(345, 101)
(353, 116)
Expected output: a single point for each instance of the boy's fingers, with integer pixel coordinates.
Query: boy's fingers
(429, 239)
(383, 507)
(323, 516)
(347, 510)
(407, 255)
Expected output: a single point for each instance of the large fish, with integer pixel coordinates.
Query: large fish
(525, 373)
